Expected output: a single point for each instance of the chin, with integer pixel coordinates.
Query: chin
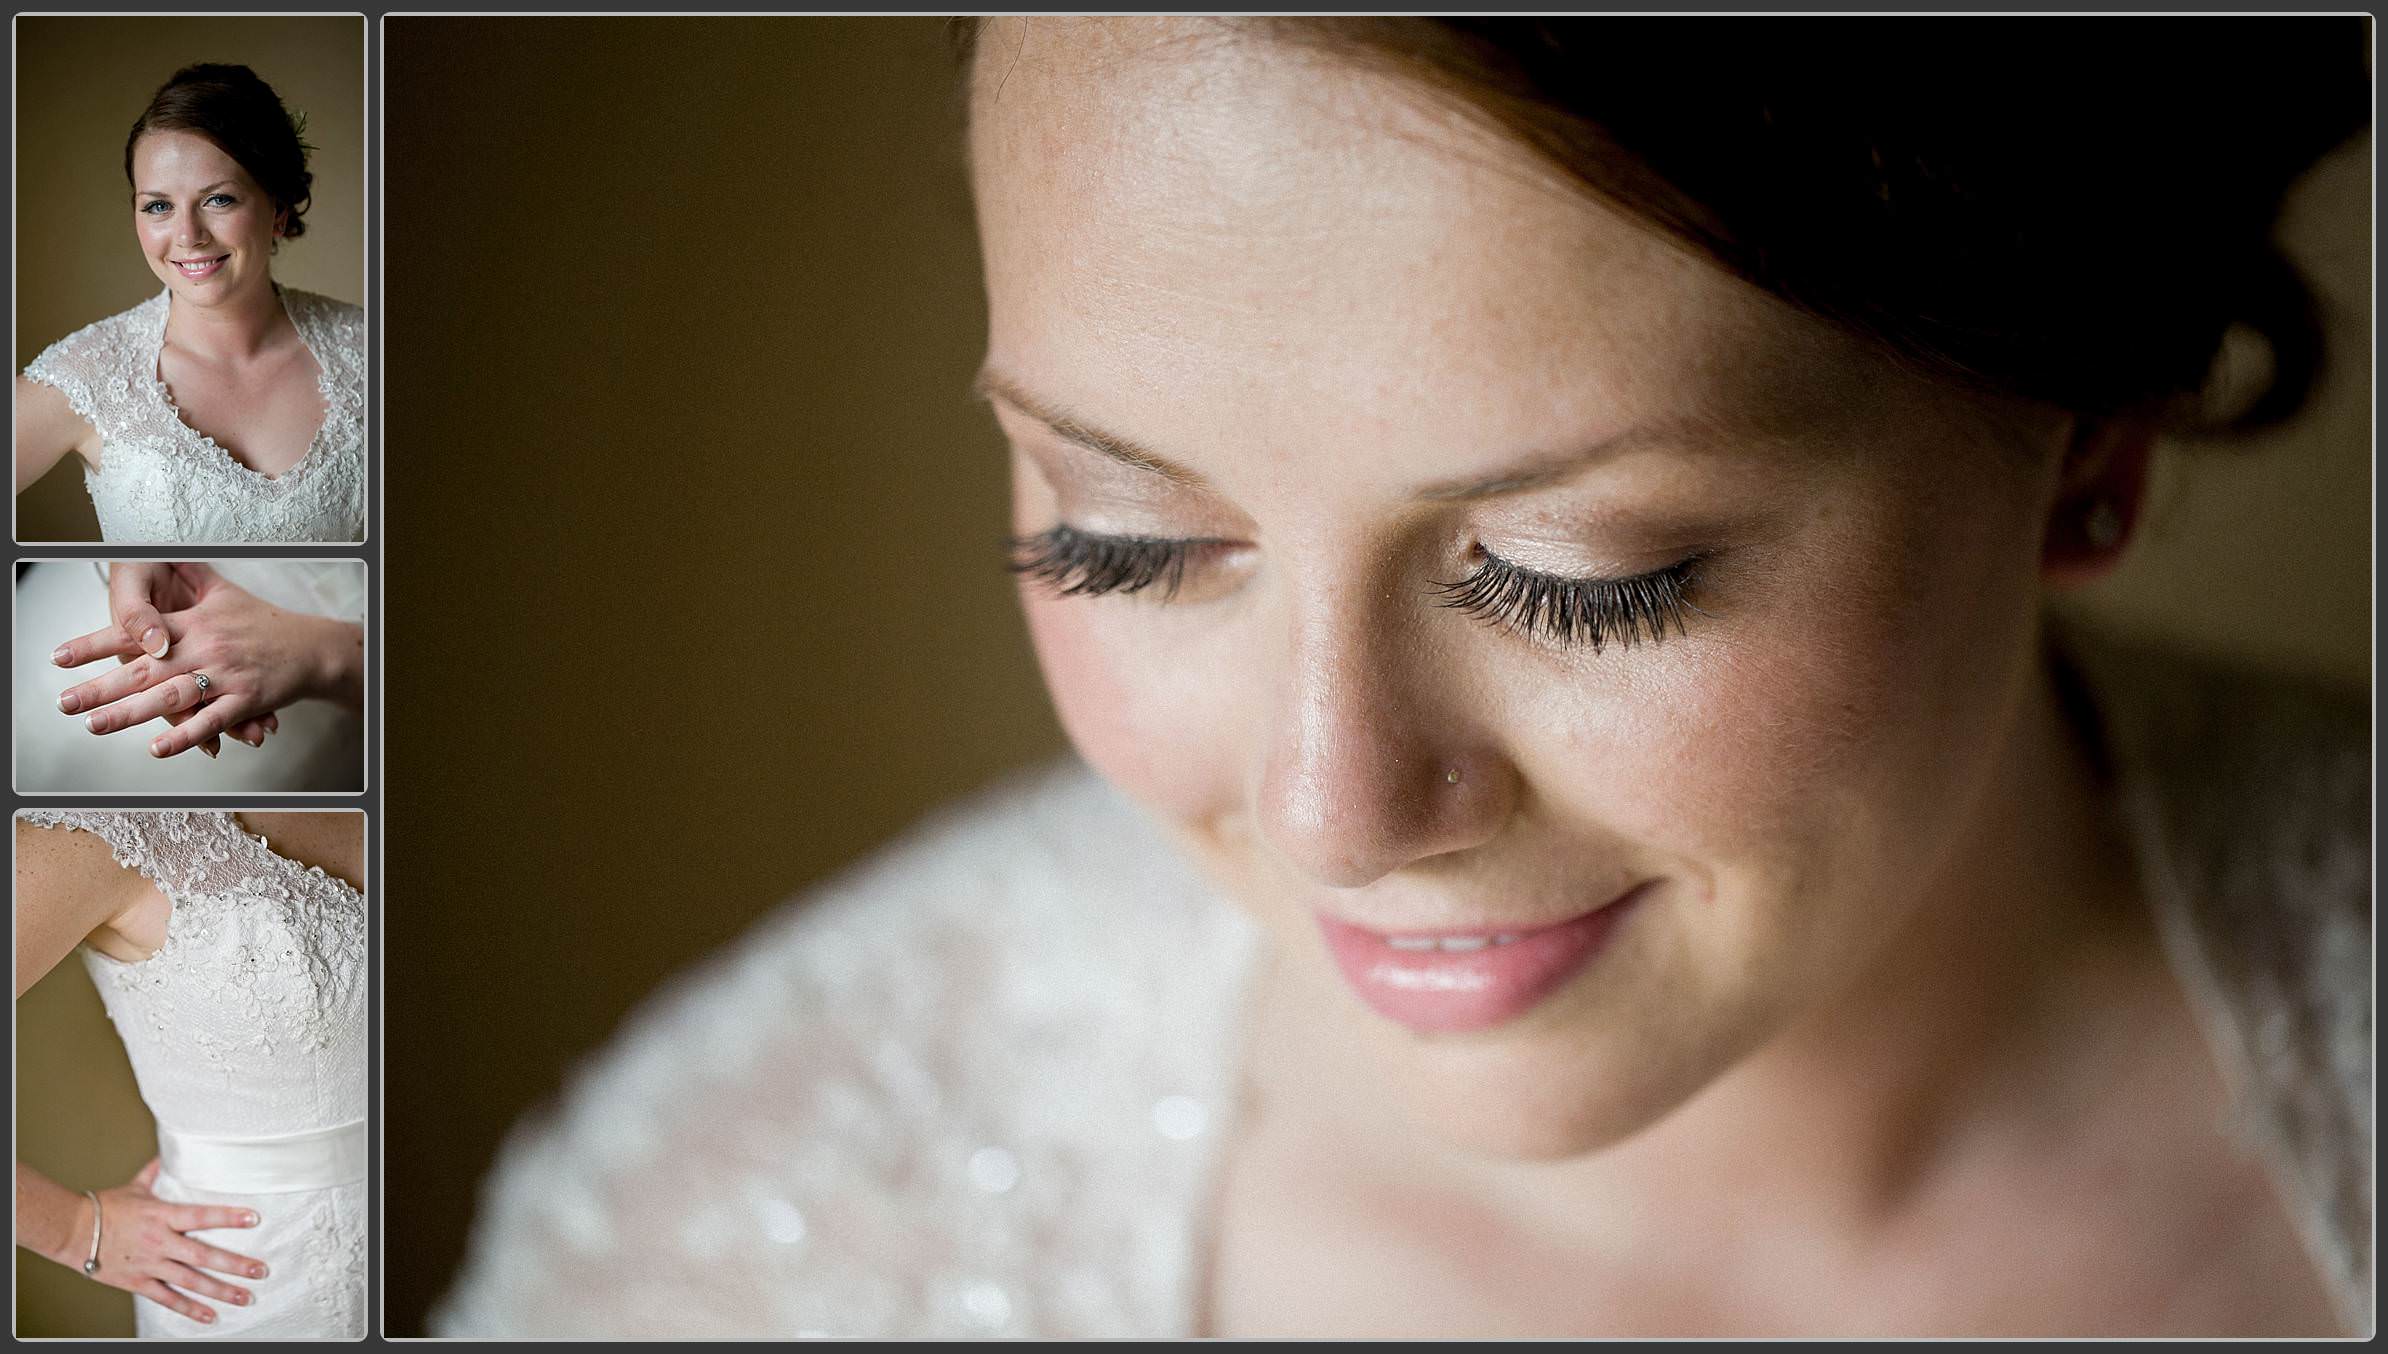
(1527, 1110)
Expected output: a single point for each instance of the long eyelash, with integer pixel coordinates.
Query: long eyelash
(1076, 564)
(1590, 611)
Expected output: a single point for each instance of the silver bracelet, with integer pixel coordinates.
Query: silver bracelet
(91, 1266)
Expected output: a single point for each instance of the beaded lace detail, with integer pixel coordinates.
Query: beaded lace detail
(249, 1022)
(159, 479)
(969, 1089)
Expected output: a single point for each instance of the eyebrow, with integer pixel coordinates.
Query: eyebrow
(1532, 473)
(220, 183)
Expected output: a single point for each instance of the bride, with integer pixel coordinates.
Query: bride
(230, 952)
(1543, 536)
(226, 407)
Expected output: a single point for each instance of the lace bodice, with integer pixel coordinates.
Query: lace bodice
(159, 479)
(980, 1085)
(249, 1022)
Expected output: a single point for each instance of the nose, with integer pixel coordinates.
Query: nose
(193, 234)
(1372, 763)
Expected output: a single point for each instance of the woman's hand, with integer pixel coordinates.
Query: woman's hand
(138, 590)
(145, 1246)
(257, 657)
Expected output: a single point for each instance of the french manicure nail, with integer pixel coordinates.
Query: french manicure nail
(251, 1220)
(154, 640)
(257, 1273)
(157, 747)
(211, 752)
(205, 1315)
(67, 704)
(91, 722)
(59, 655)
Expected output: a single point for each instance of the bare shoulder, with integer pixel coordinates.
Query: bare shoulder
(333, 841)
(58, 856)
(70, 888)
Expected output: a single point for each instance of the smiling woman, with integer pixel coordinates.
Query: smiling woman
(228, 407)
(1543, 536)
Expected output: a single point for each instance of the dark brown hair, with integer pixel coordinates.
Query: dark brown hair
(2073, 212)
(243, 116)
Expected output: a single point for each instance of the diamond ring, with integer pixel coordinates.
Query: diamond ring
(199, 679)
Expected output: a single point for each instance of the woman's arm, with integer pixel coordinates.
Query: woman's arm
(53, 1222)
(47, 428)
(69, 887)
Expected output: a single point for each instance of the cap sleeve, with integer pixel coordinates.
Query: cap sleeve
(70, 366)
(172, 850)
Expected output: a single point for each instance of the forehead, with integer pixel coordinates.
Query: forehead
(165, 158)
(1182, 217)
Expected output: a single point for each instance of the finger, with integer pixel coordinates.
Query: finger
(131, 588)
(199, 730)
(148, 1173)
(207, 1217)
(273, 723)
(205, 1285)
(106, 642)
(157, 1292)
(249, 731)
(174, 719)
(138, 675)
(178, 692)
(223, 1261)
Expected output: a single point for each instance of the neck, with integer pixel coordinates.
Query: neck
(240, 328)
(1846, 1117)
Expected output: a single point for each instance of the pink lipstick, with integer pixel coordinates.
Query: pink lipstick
(1445, 982)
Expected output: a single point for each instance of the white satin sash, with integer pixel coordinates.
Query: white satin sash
(284, 1165)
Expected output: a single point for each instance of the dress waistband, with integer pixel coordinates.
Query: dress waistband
(283, 1165)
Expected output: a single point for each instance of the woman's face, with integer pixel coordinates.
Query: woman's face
(1357, 348)
(205, 226)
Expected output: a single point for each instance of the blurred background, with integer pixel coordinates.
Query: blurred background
(80, 83)
(689, 512)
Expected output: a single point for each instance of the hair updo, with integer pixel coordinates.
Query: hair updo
(2073, 212)
(241, 114)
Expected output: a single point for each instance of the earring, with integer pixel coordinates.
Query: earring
(2105, 526)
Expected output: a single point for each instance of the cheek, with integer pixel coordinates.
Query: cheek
(1146, 723)
(1820, 749)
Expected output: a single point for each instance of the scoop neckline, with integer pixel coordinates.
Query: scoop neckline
(297, 469)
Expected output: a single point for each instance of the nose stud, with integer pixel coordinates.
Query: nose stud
(1451, 777)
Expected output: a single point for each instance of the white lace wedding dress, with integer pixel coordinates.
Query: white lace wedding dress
(161, 480)
(319, 747)
(247, 1034)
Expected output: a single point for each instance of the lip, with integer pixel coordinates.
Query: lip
(211, 266)
(1455, 991)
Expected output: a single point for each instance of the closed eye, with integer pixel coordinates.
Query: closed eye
(1078, 563)
(1592, 612)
